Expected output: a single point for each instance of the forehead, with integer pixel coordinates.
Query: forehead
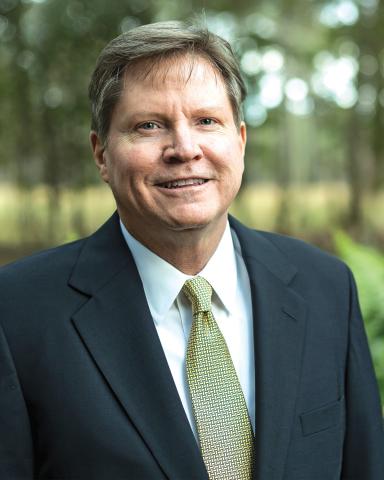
(177, 70)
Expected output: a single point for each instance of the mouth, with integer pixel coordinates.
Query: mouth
(182, 183)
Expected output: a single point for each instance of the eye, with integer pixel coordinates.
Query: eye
(207, 121)
(148, 126)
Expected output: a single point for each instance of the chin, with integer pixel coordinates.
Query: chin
(187, 226)
(192, 222)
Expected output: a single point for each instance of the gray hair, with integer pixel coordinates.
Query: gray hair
(156, 42)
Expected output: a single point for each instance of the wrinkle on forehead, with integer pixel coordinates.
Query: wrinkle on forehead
(177, 67)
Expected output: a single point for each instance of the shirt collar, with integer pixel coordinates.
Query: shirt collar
(162, 281)
(221, 271)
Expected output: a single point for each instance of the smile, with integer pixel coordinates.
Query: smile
(183, 183)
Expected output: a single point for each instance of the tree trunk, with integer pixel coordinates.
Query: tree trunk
(354, 172)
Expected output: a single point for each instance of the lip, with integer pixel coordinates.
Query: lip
(182, 183)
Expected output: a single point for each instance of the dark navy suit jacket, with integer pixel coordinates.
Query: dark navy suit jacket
(86, 392)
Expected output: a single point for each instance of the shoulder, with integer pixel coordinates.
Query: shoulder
(40, 268)
(34, 292)
(320, 276)
(276, 247)
(300, 252)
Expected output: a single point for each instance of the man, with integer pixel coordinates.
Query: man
(172, 344)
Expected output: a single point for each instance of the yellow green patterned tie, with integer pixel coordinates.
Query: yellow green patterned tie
(219, 407)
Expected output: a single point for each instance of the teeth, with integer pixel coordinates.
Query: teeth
(182, 183)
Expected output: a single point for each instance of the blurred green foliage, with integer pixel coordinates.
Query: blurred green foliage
(315, 116)
(367, 265)
(314, 72)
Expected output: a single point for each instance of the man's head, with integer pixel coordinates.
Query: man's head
(150, 45)
(167, 132)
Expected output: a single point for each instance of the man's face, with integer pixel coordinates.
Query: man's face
(174, 156)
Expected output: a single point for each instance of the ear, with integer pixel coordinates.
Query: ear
(98, 150)
(243, 136)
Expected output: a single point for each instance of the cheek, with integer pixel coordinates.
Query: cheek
(229, 159)
(127, 164)
(235, 167)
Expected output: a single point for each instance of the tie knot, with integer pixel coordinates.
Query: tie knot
(199, 293)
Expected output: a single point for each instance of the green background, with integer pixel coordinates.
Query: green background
(315, 115)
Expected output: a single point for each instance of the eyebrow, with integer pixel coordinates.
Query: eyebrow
(158, 114)
(209, 108)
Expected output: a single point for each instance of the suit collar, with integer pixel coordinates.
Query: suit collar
(103, 255)
(256, 247)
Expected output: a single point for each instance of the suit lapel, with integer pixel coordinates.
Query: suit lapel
(279, 330)
(116, 326)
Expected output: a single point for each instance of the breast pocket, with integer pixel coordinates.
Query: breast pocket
(322, 418)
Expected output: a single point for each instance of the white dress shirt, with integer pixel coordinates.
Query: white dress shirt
(172, 313)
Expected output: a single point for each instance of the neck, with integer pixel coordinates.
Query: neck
(187, 250)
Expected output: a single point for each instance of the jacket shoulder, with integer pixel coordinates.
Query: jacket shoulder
(317, 269)
(40, 267)
(300, 250)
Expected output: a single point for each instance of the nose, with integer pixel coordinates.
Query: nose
(183, 146)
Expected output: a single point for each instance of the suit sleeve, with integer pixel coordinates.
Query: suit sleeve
(16, 449)
(364, 440)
